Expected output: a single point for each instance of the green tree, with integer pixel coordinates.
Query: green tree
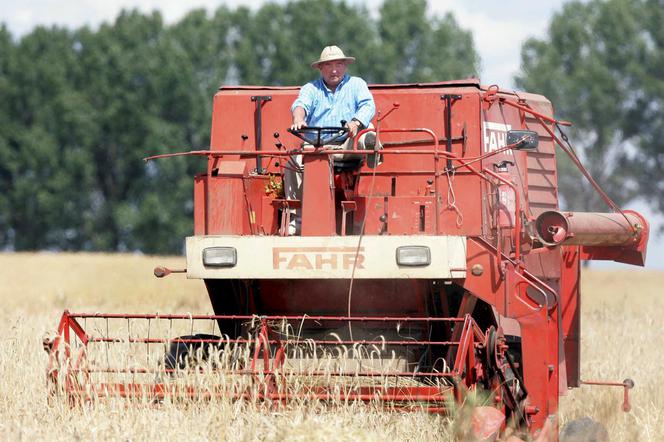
(645, 119)
(414, 48)
(79, 109)
(601, 65)
(191, 59)
(275, 44)
(6, 154)
(150, 90)
(44, 157)
(117, 74)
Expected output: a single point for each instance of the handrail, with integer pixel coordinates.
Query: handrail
(282, 153)
(463, 163)
(528, 277)
(534, 113)
(436, 158)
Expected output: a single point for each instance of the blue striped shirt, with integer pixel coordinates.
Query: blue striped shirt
(325, 108)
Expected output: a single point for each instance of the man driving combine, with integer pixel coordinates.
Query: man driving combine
(334, 97)
(331, 99)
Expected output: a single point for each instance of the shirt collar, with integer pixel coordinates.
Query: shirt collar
(343, 81)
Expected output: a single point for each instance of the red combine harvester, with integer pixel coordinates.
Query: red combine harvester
(437, 264)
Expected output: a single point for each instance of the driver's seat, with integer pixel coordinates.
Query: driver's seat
(347, 164)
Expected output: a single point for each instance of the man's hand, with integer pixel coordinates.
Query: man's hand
(353, 127)
(299, 114)
(298, 125)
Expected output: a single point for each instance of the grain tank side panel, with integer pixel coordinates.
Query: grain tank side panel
(542, 172)
(408, 175)
(234, 122)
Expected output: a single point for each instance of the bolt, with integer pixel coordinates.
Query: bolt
(477, 269)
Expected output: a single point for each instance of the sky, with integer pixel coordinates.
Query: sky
(499, 29)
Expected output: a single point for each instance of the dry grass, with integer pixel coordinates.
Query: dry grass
(37, 287)
(622, 337)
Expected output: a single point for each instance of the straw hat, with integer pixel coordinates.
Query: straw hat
(332, 53)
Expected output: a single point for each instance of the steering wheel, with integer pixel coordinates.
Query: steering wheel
(319, 136)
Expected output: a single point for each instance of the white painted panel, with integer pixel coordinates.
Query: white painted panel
(327, 257)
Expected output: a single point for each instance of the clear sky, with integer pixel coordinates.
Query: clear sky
(499, 29)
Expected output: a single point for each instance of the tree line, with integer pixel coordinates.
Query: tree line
(602, 65)
(80, 108)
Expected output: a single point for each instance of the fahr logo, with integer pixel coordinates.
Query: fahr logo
(316, 258)
(495, 135)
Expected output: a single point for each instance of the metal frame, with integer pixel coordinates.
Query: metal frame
(267, 368)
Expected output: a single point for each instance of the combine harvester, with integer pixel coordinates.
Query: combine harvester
(436, 266)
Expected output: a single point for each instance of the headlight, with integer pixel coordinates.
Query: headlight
(413, 256)
(220, 257)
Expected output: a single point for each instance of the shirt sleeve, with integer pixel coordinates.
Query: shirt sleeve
(305, 99)
(366, 108)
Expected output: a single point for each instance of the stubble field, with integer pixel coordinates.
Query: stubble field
(622, 336)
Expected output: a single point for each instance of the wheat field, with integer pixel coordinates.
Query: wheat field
(622, 325)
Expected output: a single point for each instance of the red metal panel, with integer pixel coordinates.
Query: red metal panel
(227, 203)
(542, 196)
(254, 187)
(371, 211)
(541, 162)
(200, 206)
(227, 211)
(497, 120)
(461, 209)
(269, 221)
(233, 122)
(418, 107)
(539, 330)
(540, 178)
(369, 297)
(318, 202)
(546, 142)
(411, 185)
(376, 186)
(570, 300)
(410, 215)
